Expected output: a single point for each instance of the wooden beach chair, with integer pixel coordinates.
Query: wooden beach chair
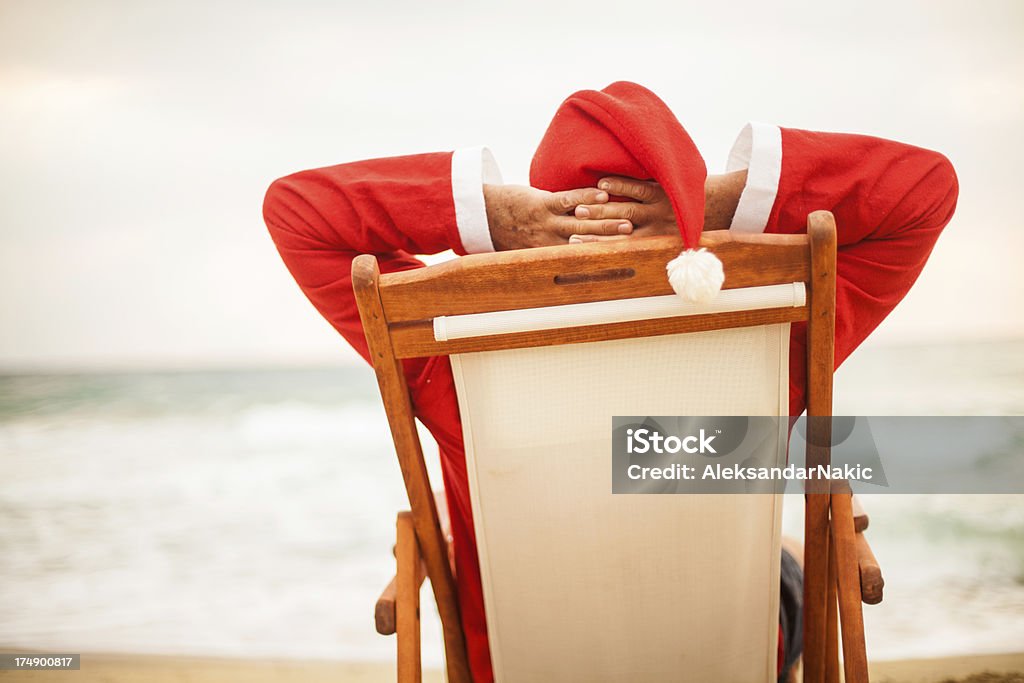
(579, 584)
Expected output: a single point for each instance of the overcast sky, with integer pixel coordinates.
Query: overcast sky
(137, 140)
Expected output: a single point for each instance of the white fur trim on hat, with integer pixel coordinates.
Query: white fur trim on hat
(696, 275)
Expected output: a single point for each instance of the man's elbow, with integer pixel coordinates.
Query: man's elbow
(924, 186)
(277, 207)
(944, 189)
(299, 213)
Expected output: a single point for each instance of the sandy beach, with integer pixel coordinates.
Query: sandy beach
(118, 668)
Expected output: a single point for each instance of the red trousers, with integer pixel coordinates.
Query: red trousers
(890, 201)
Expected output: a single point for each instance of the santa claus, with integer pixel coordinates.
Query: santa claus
(614, 164)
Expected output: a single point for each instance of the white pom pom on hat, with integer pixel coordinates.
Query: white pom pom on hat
(696, 275)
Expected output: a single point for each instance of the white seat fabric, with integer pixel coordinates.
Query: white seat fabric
(583, 585)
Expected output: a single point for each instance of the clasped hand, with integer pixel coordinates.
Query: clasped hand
(520, 217)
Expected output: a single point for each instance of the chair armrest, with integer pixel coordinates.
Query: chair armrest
(860, 517)
(384, 612)
(871, 581)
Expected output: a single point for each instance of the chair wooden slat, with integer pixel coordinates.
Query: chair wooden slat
(552, 276)
(832, 620)
(855, 662)
(821, 230)
(398, 407)
(407, 612)
(417, 338)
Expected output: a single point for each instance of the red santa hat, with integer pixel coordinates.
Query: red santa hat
(626, 130)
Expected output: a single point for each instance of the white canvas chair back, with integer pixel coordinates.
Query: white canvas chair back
(583, 585)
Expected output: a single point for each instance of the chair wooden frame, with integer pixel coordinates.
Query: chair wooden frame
(397, 310)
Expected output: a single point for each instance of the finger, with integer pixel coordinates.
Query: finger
(572, 226)
(627, 211)
(641, 190)
(565, 202)
(583, 239)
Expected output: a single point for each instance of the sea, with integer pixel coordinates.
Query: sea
(251, 512)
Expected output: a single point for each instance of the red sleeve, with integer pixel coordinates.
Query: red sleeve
(322, 219)
(891, 202)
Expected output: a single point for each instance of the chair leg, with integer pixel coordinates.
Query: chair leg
(832, 621)
(855, 661)
(407, 602)
(816, 544)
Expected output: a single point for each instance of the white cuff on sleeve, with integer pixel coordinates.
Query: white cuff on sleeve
(471, 169)
(759, 150)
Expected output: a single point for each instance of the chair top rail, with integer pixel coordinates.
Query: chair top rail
(567, 274)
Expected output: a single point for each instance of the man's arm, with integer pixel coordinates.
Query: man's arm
(321, 219)
(891, 201)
